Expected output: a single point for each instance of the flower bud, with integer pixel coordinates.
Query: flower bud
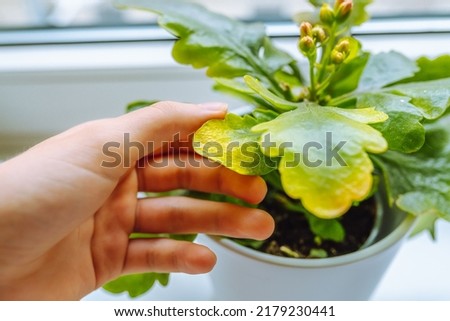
(338, 3)
(344, 10)
(305, 29)
(337, 57)
(319, 34)
(307, 45)
(343, 46)
(326, 14)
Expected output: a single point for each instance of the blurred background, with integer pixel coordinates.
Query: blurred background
(63, 62)
(91, 13)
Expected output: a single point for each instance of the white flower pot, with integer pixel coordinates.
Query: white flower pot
(246, 274)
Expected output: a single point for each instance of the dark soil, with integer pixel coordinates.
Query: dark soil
(292, 231)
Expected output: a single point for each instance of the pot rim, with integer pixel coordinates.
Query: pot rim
(395, 236)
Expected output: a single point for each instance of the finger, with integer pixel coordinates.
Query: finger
(166, 255)
(185, 215)
(193, 172)
(150, 128)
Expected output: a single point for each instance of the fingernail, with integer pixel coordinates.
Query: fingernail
(215, 106)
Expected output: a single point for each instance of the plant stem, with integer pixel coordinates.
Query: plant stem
(297, 73)
(312, 77)
(262, 72)
(324, 84)
(288, 204)
(326, 53)
(275, 85)
(342, 99)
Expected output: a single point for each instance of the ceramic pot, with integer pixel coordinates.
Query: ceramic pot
(245, 274)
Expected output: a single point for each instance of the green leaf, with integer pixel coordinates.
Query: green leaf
(431, 69)
(431, 97)
(274, 58)
(428, 206)
(359, 13)
(178, 237)
(419, 183)
(323, 150)
(264, 115)
(292, 82)
(318, 253)
(136, 284)
(385, 68)
(403, 129)
(235, 85)
(326, 229)
(278, 103)
(232, 143)
(354, 47)
(407, 105)
(184, 237)
(346, 79)
(135, 105)
(228, 48)
(240, 90)
(415, 172)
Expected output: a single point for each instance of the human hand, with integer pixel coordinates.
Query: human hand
(65, 220)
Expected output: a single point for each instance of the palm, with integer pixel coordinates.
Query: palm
(90, 255)
(113, 224)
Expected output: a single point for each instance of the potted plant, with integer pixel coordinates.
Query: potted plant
(352, 145)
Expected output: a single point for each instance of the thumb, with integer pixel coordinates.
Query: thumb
(144, 131)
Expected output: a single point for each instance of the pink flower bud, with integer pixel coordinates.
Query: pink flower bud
(344, 11)
(305, 29)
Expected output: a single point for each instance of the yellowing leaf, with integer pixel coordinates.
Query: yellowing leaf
(323, 150)
(232, 143)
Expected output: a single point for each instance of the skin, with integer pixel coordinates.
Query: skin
(65, 219)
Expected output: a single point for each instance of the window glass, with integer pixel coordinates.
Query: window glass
(75, 13)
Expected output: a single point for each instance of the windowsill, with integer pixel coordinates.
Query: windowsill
(150, 47)
(73, 83)
(380, 26)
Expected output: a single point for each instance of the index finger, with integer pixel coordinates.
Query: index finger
(154, 126)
